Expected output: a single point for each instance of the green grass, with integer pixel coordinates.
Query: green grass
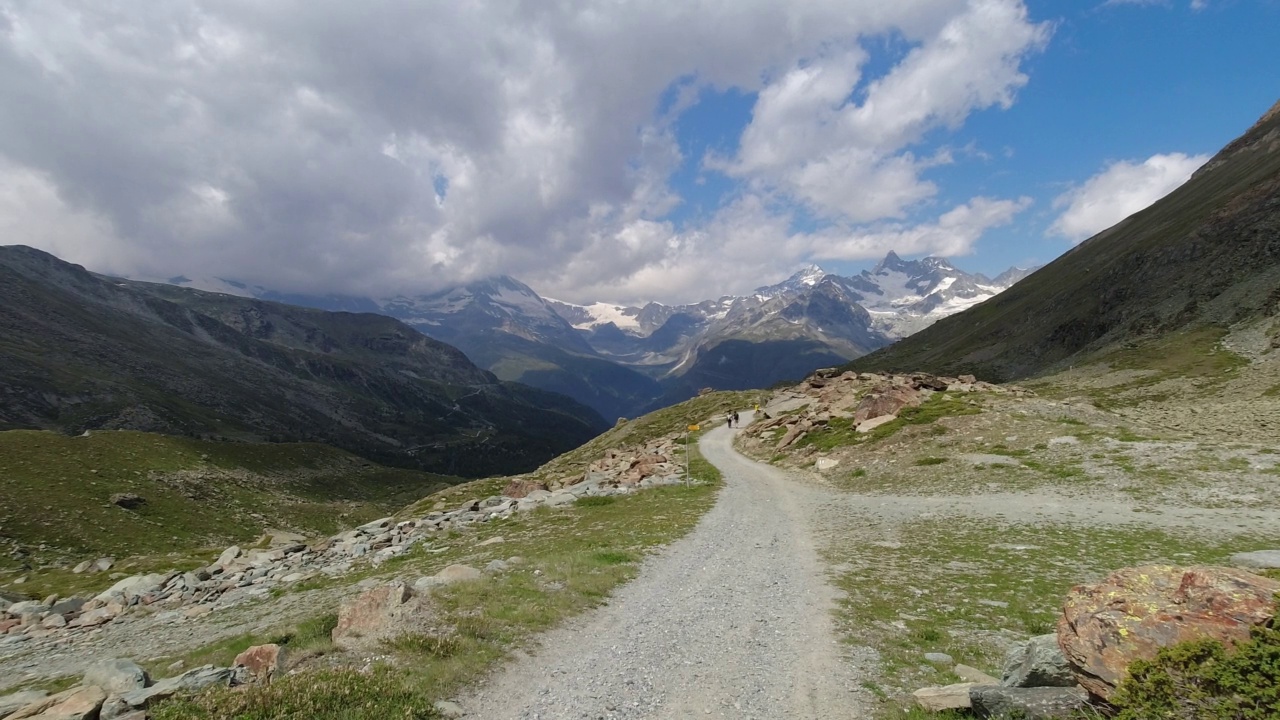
(840, 432)
(964, 588)
(574, 557)
(200, 495)
(926, 461)
(1194, 353)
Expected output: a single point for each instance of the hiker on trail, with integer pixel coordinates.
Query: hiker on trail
(735, 419)
(728, 418)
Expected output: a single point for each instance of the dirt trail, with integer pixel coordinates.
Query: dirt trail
(732, 621)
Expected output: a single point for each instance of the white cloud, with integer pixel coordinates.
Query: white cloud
(1118, 191)
(953, 233)
(397, 146)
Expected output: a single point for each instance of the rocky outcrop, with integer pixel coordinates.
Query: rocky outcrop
(375, 615)
(865, 400)
(262, 663)
(1134, 612)
(241, 575)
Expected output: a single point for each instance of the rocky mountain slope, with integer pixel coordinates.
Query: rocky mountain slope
(1207, 253)
(82, 351)
(624, 361)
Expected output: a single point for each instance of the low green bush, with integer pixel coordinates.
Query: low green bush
(1203, 680)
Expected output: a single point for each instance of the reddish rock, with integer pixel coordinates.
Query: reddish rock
(1134, 612)
(521, 488)
(7, 625)
(887, 402)
(373, 615)
(264, 662)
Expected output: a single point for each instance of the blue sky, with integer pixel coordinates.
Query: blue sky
(1118, 82)
(671, 150)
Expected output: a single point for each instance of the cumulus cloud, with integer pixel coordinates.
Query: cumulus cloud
(1118, 191)
(397, 146)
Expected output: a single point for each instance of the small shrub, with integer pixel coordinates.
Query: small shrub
(860, 472)
(317, 695)
(930, 461)
(1202, 680)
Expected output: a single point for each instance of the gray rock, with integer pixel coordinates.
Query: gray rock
(372, 527)
(449, 709)
(939, 658)
(82, 567)
(974, 675)
(458, 573)
(825, 463)
(1032, 703)
(228, 556)
(1038, 662)
(188, 682)
(1261, 559)
(14, 702)
(117, 676)
(103, 564)
(115, 708)
(27, 607)
(495, 566)
(560, 498)
(948, 697)
(423, 585)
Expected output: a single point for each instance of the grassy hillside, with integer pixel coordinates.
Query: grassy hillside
(56, 507)
(1206, 255)
(79, 351)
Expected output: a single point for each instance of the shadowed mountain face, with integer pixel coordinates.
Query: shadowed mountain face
(1208, 253)
(81, 351)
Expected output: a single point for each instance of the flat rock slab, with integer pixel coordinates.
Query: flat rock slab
(1035, 703)
(947, 697)
(1264, 559)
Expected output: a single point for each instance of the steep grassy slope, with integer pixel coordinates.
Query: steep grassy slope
(56, 491)
(1208, 253)
(80, 351)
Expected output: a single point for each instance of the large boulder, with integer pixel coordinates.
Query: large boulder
(116, 676)
(264, 663)
(382, 612)
(520, 488)
(1134, 612)
(1038, 662)
(888, 401)
(14, 702)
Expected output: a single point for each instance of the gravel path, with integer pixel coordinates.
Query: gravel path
(732, 621)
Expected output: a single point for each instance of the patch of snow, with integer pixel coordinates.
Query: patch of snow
(604, 313)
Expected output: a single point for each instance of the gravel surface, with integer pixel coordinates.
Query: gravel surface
(733, 621)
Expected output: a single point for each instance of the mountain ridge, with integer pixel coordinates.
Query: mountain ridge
(1205, 254)
(84, 351)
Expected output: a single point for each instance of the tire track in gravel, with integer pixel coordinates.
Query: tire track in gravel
(731, 621)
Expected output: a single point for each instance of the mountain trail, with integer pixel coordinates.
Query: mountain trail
(732, 621)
